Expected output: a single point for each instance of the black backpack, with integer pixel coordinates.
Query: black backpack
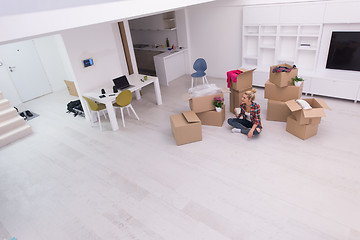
(75, 108)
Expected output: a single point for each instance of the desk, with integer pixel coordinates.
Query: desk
(135, 80)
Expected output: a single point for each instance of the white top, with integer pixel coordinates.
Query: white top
(247, 116)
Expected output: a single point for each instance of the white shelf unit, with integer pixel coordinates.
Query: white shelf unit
(169, 21)
(294, 44)
(250, 46)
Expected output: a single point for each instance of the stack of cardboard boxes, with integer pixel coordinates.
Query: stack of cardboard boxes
(304, 123)
(282, 105)
(186, 127)
(205, 110)
(243, 83)
(278, 90)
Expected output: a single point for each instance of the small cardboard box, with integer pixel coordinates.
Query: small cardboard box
(186, 127)
(277, 111)
(244, 80)
(212, 118)
(301, 131)
(204, 104)
(284, 94)
(236, 98)
(71, 88)
(309, 116)
(282, 79)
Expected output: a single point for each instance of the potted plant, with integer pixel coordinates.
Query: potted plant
(297, 81)
(218, 103)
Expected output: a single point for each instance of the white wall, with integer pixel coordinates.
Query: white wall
(215, 35)
(99, 43)
(49, 53)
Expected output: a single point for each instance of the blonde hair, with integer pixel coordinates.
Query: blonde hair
(251, 94)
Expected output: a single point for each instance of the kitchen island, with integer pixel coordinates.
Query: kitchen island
(158, 61)
(170, 65)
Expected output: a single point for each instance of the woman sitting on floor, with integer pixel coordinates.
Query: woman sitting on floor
(248, 119)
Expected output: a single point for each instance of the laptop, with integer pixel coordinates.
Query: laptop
(122, 83)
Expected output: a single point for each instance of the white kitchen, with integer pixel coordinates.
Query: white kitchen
(160, 45)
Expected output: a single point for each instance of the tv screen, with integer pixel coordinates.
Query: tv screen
(344, 51)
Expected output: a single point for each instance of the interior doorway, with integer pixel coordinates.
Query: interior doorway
(25, 69)
(126, 47)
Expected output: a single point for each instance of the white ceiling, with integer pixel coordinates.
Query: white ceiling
(14, 7)
(22, 19)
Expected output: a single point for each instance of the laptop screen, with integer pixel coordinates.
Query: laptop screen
(121, 82)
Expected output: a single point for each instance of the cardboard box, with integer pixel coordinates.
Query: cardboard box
(284, 94)
(244, 80)
(212, 118)
(203, 104)
(304, 121)
(283, 79)
(71, 88)
(186, 127)
(236, 98)
(277, 111)
(301, 131)
(310, 116)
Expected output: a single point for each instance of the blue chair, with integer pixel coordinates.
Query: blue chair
(200, 67)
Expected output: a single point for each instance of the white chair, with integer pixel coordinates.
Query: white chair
(123, 100)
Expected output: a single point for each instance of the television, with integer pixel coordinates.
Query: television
(344, 51)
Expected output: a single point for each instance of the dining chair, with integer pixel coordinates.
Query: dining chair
(96, 107)
(199, 66)
(123, 100)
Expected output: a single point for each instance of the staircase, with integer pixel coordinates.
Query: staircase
(12, 126)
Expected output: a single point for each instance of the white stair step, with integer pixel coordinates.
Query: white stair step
(11, 124)
(7, 114)
(4, 104)
(14, 135)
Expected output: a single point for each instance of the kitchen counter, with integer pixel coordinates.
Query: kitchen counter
(160, 49)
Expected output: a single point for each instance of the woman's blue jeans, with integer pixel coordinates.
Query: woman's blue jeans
(242, 124)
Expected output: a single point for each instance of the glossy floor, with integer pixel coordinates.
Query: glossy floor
(68, 180)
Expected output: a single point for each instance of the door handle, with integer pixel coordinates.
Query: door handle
(11, 68)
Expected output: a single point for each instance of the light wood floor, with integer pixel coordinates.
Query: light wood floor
(70, 181)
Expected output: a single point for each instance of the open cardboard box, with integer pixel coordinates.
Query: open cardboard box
(277, 111)
(283, 79)
(283, 94)
(244, 80)
(309, 116)
(212, 118)
(186, 127)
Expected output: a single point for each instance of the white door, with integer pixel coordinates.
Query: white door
(25, 69)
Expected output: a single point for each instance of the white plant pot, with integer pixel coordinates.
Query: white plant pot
(218, 109)
(298, 84)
